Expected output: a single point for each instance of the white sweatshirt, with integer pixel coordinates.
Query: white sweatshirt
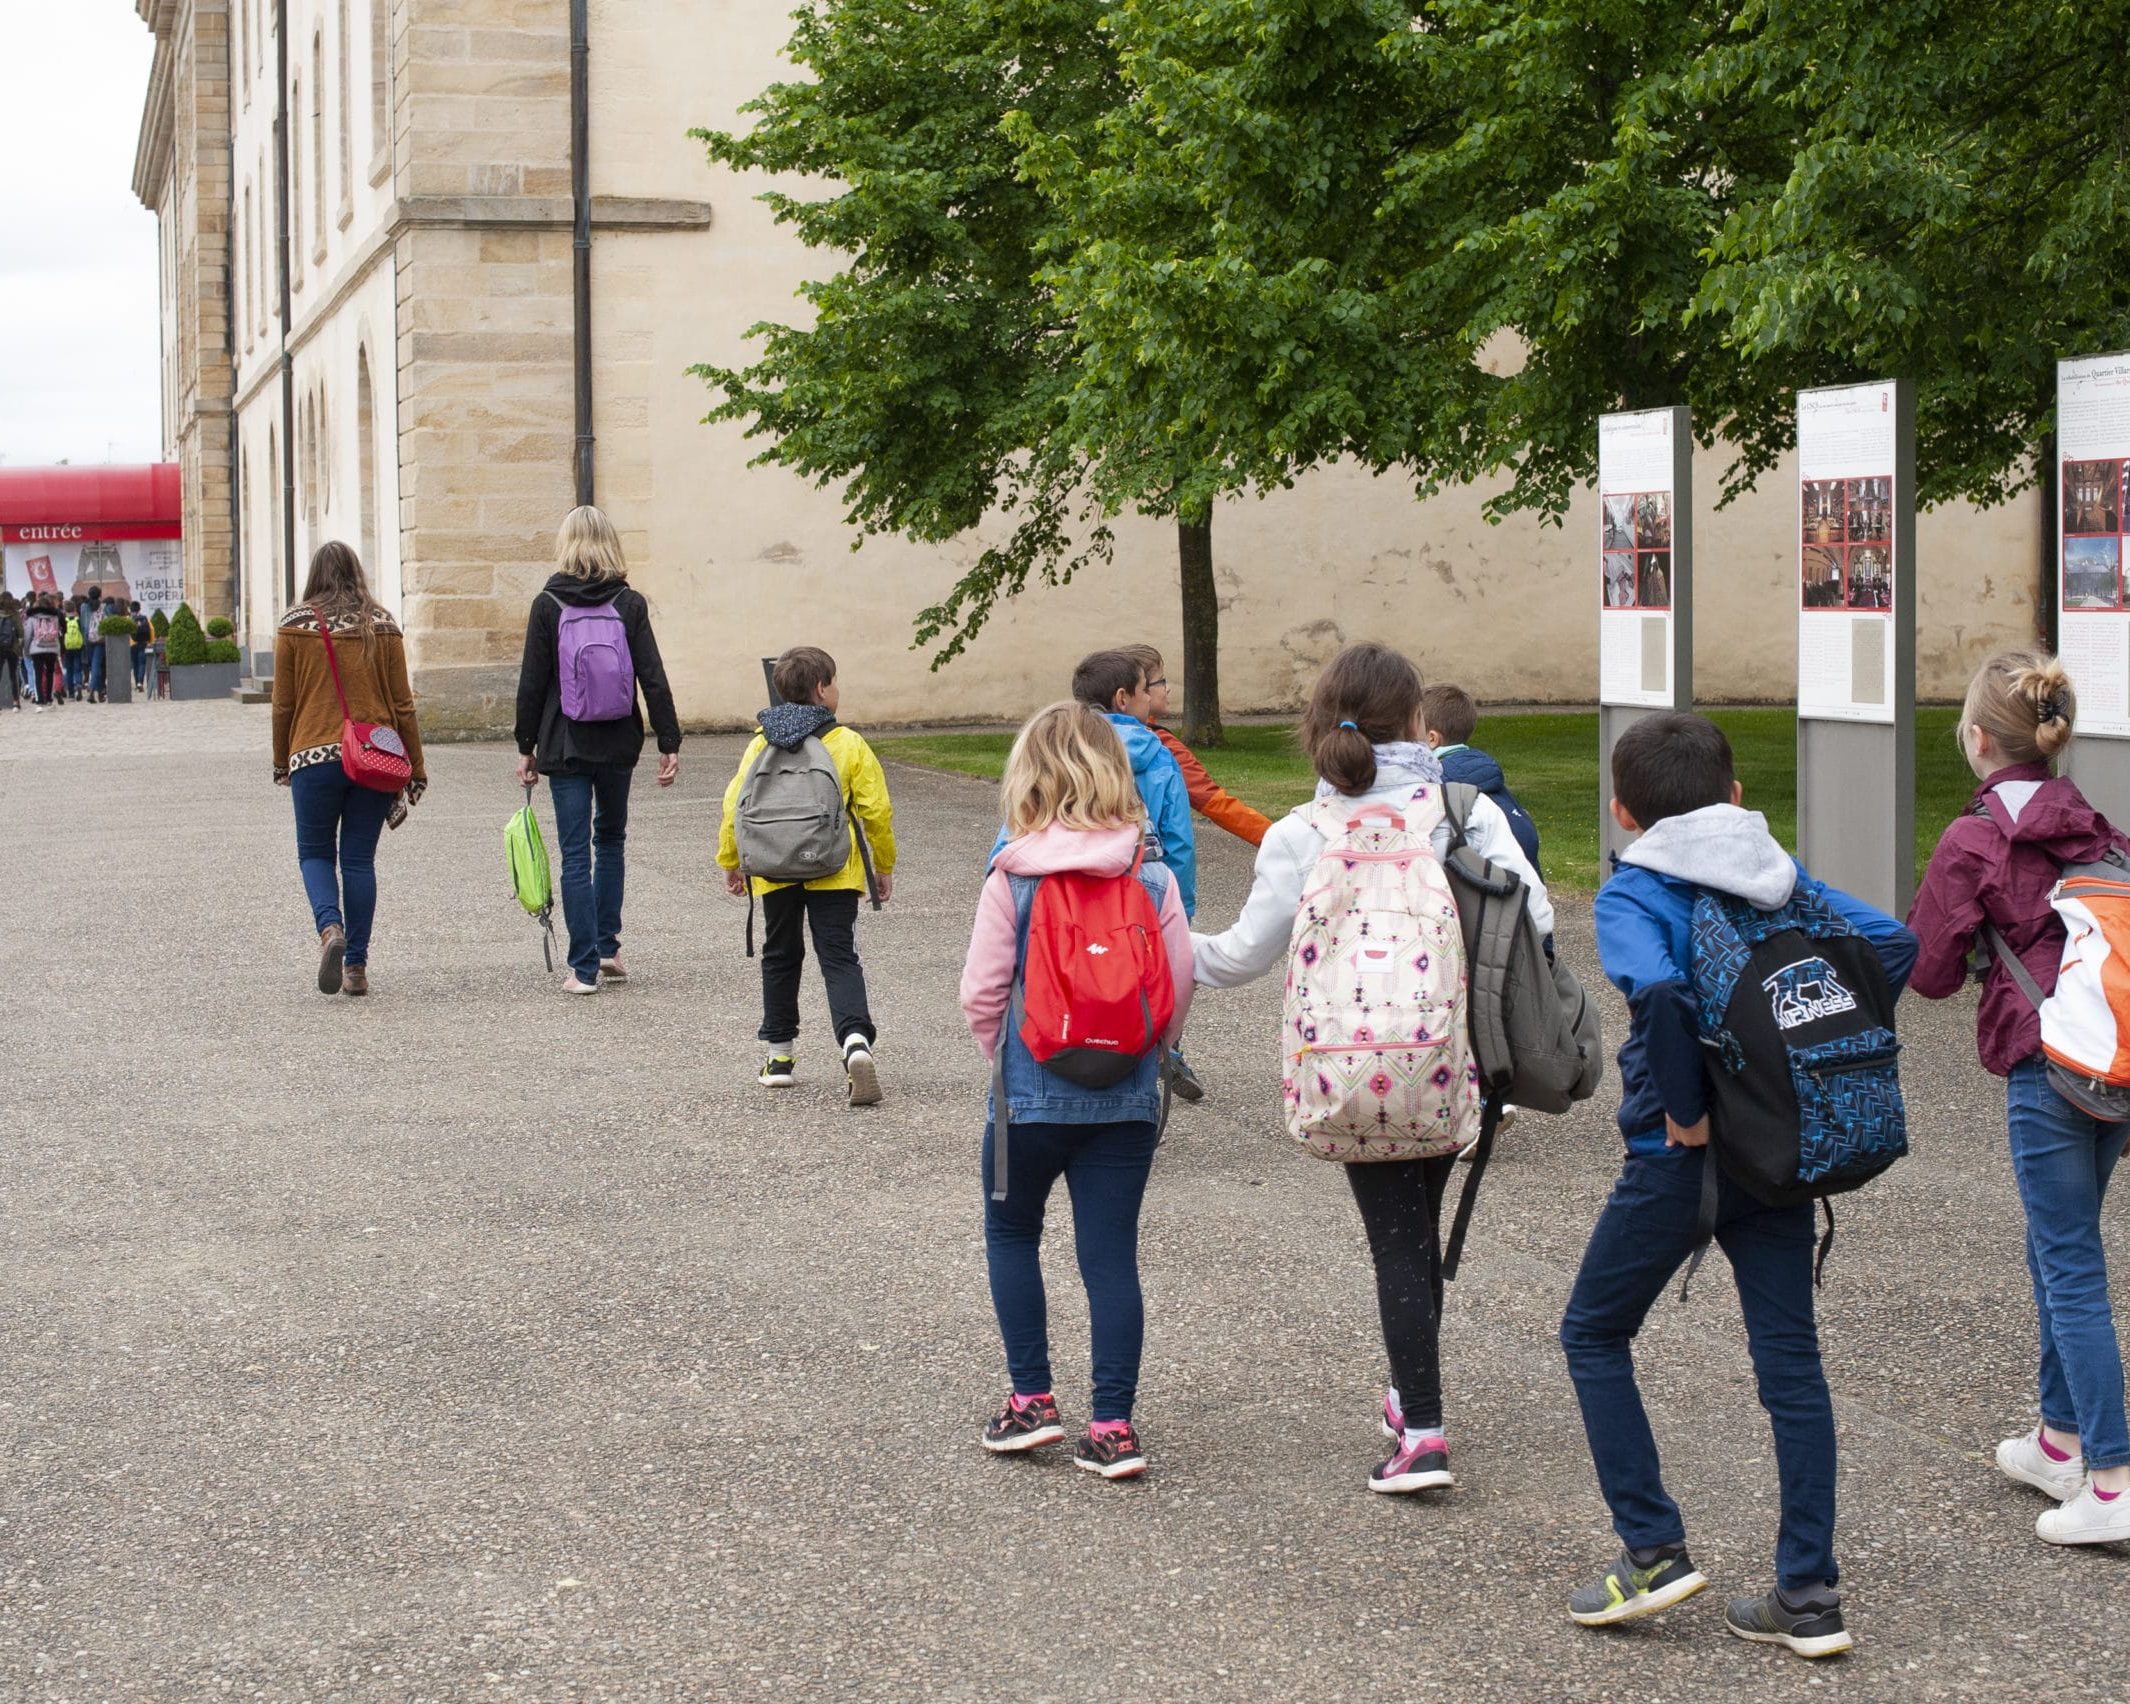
(1259, 938)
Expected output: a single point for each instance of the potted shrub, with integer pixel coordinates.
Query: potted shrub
(116, 634)
(199, 667)
(161, 623)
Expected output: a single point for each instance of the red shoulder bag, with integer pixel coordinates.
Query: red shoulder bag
(374, 756)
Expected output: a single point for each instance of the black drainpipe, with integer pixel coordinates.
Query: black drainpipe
(580, 172)
(288, 363)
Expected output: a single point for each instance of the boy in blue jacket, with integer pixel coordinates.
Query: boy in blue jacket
(1451, 717)
(1673, 784)
(1116, 684)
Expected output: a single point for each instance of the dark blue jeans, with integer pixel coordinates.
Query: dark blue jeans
(1105, 1168)
(93, 665)
(337, 825)
(1643, 1237)
(73, 667)
(140, 665)
(2063, 1161)
(591, 843)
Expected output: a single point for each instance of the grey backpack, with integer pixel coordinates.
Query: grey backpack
(1534, 1026)
(792, 823)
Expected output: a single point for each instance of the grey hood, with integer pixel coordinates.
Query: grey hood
(1722, 847)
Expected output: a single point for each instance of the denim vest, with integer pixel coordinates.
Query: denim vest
(1037, 1096)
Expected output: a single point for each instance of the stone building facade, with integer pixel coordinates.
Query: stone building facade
(181, 172)
(428, 361)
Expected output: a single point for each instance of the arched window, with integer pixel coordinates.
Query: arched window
(318, 142)
(285, 575)
(366, 460)
(269, 302)
(380, 78)
(325, 452)
(345, 117)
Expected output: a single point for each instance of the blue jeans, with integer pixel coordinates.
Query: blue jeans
(93, 665)
(591, 893)
(1643, 1236)
(73, 672)
(2062, 1160)
(337, 825)
(1105, 1168)
(140, 665)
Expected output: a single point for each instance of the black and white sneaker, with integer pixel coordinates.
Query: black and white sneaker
(778, 1070)
(863, 1074)
(1024, 1424)
(1640, 1583)
(1113, 1452)
(1809, 1623)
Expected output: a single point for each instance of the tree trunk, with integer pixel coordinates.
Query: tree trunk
(1201, 633)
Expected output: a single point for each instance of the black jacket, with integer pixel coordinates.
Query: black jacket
(576, 748)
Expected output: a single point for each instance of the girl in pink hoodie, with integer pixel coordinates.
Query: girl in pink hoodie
(1070, 804)
(1986, 896)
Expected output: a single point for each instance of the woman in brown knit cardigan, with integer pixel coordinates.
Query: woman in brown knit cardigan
(338, 822)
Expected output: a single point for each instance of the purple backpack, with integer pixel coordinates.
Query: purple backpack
(592, 653)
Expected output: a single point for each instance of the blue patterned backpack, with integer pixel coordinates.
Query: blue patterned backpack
(1796, 1020)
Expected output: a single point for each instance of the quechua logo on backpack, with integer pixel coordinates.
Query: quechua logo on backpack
(1096, 994)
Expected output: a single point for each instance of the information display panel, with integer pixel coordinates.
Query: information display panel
(1856, 639)
(1644, 560)
(1847, 588)
(2093, 558)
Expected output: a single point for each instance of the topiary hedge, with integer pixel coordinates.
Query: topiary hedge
(221, 651)
(221, 628)
(160, 622)
(187, 643)
(115, 626)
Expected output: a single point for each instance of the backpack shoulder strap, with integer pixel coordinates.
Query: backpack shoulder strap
(2013, 968)
(1458, 797)
(1720, 955)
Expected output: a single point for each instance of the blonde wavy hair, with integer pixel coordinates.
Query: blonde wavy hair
(588, 548)
(1069, 768)
(2024, 701)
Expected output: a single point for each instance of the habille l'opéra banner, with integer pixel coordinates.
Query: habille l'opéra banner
(68, 561)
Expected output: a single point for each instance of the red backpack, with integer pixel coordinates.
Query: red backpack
(1094, 995)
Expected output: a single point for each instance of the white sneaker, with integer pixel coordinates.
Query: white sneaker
(2022, 1458)
(2085, 1519)
(613, 970)
(1508, 1120)
(858, 1066)
(570, 985)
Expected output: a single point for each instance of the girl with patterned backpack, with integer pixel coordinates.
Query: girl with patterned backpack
(1351, 894)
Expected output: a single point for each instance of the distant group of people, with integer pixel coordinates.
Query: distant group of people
(52, 649)
(1086, 908)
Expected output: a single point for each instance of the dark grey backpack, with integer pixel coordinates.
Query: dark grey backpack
(1534, 1026)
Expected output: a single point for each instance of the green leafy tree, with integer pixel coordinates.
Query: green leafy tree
(933, 381)
(187, 644)
(160, 622)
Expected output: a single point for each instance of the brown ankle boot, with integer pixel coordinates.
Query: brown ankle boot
(332, 948)
(355, 979)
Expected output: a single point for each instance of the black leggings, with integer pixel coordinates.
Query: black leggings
(1401, 1205)
(46, 664)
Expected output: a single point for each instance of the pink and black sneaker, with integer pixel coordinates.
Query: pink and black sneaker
(1025, 1423)
(1111, 1448)
(1422, 1465)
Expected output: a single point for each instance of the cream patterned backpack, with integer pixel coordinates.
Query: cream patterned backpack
(1376, 1038)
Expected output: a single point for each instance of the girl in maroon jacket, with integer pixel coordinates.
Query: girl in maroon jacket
(1995, 867)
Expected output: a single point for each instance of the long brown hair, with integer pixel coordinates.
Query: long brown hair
(336, 586)
(1368, 695)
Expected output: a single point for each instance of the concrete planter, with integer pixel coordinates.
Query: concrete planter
(118, 668)
(204, 680)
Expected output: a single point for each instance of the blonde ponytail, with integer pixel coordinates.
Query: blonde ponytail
(2025, 702)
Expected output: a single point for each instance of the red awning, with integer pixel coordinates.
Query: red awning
(103, 502)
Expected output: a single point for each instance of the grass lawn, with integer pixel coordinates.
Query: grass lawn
(1551, 761)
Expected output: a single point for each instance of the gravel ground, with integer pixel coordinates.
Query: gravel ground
(473, 1342)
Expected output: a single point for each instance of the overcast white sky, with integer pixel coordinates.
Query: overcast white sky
(79, 337)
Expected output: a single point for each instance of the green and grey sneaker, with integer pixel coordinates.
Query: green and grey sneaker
(1640, 1583)
(778, 1071)
(1809, 1623)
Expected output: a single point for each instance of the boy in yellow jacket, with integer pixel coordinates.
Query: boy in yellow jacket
(805, 679)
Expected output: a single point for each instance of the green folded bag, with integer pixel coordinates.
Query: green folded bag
(530, 879)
